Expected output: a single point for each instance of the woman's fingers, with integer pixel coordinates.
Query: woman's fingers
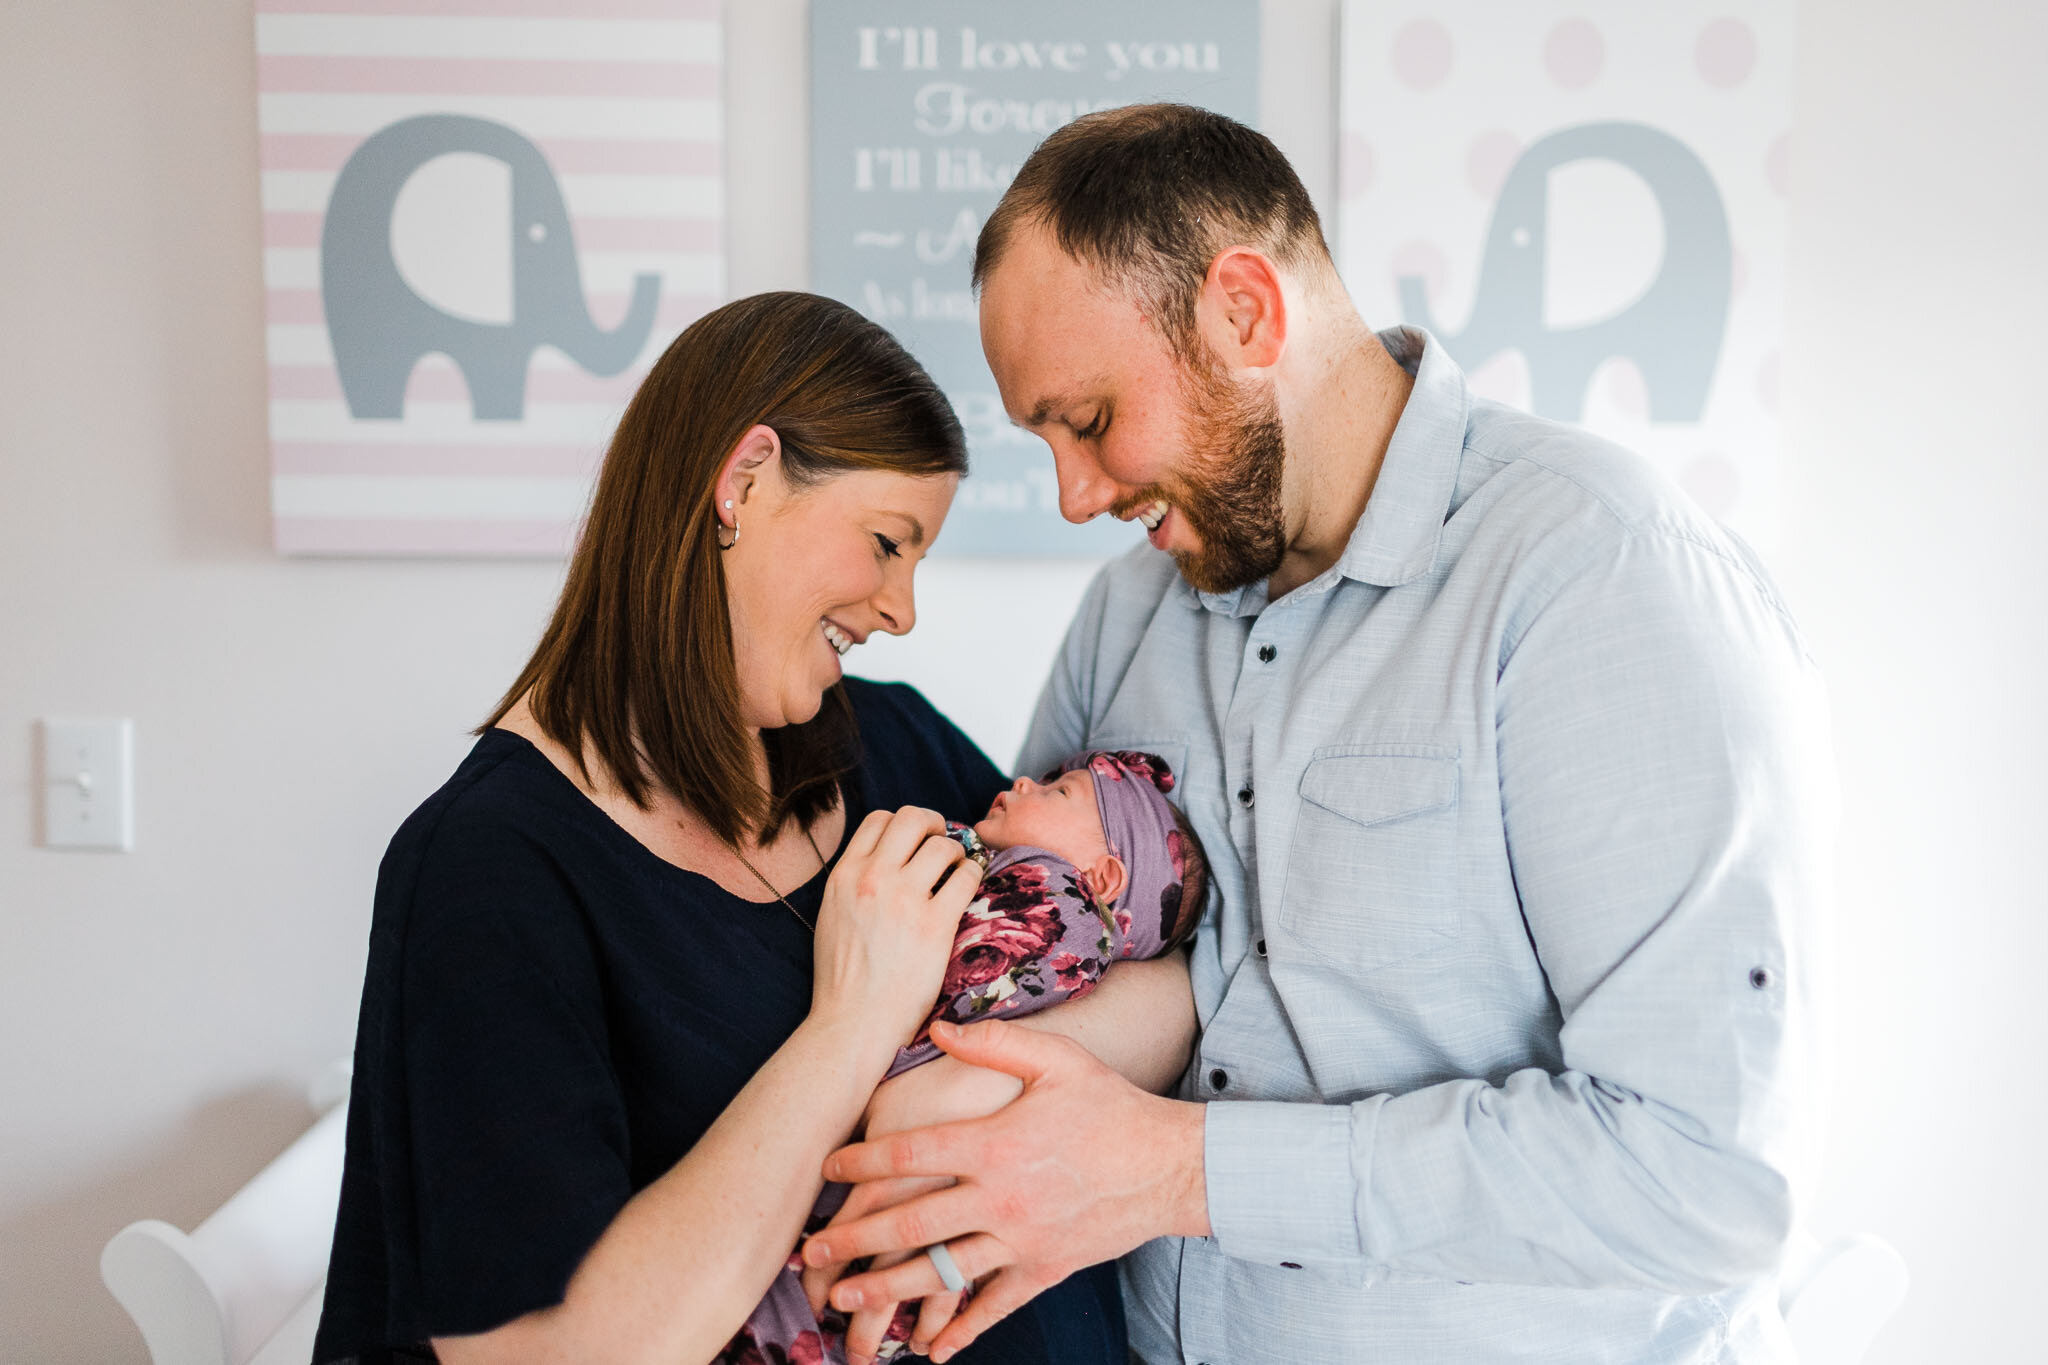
(907, 829)
(880, 951)
(866, 835)
(961, 886)
(865, 1330)
(937, 856)
(818, 1281)
(932, 1316)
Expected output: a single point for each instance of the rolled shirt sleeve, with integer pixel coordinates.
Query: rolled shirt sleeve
(1283, 1179)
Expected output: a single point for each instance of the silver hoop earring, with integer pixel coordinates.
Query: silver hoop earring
(726, 542)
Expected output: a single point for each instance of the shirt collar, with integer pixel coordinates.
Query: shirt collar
(1396, 538)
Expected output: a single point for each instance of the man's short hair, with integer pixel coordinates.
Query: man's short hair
(1149, 194)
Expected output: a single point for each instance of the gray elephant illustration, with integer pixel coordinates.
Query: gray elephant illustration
(380, 328)
(1672, 333)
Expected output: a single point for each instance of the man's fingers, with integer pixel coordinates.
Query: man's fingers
(1002, 1046)
(993, 1302)
(917, 1278)
(879, 1194)
(865, 1199)
(912, 1226)
(947, 1149)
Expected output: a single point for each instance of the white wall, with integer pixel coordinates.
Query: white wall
(159, 1010)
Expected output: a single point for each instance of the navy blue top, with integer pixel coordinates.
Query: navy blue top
(553, 1015)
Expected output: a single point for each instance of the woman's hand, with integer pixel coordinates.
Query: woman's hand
(885, 931)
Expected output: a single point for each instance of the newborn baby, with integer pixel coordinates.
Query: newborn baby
(1086, 867)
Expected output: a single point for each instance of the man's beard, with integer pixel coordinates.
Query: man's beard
(1231, 493)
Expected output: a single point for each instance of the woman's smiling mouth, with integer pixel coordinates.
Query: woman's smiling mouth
(840, 640)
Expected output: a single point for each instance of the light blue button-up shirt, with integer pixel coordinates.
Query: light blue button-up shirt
(1520, 824)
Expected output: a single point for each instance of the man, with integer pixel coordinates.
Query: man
(1513, 774)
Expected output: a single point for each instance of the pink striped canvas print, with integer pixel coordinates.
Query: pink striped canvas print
(483, 220)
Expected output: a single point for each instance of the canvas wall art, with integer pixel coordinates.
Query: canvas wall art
(921, 111)
(1586, 204)
(481, 224)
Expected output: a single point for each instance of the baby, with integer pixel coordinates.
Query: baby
(1086, 867)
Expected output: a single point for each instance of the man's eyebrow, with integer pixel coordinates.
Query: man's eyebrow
(1048, 406)
(1039, 415)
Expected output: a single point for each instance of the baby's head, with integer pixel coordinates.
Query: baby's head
(1107, 814)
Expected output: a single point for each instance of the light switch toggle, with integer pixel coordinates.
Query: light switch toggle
(89, 783)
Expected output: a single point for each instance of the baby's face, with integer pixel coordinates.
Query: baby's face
(1059, 816)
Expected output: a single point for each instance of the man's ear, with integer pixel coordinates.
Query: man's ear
(1242, 309)
(1105, 878)
(757, 456)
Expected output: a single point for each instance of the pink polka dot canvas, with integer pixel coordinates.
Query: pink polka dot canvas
(1586, 204)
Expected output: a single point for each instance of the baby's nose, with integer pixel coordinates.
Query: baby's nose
(1022, 785)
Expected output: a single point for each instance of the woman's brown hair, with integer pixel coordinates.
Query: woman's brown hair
(637, 662)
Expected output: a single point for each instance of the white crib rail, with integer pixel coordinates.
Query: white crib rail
(224, 1293)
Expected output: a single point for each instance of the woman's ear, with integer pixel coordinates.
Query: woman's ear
(757, 457)
(1105, 878)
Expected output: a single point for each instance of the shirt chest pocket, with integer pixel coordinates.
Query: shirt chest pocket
(1372, 872)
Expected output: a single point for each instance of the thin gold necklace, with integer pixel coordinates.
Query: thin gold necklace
(744, 862)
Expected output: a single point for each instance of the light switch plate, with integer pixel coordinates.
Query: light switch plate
(89, 783)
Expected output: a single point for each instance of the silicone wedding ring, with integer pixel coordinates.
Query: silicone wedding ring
(949, 1272)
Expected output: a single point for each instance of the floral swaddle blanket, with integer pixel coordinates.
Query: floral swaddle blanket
(1035, 936)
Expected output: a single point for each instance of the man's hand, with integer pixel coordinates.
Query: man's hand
(940, 1091)
(1080, 1168)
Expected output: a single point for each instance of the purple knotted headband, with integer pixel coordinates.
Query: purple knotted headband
(1142, 831)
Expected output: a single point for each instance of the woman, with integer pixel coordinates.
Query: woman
(637, 968)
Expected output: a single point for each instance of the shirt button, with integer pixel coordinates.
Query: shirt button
(1267, 653)
(1244, 797)
(1262, 947)
(1218, 1079)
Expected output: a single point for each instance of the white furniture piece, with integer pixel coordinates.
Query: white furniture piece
(1836, 1298)
(244, 1287)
